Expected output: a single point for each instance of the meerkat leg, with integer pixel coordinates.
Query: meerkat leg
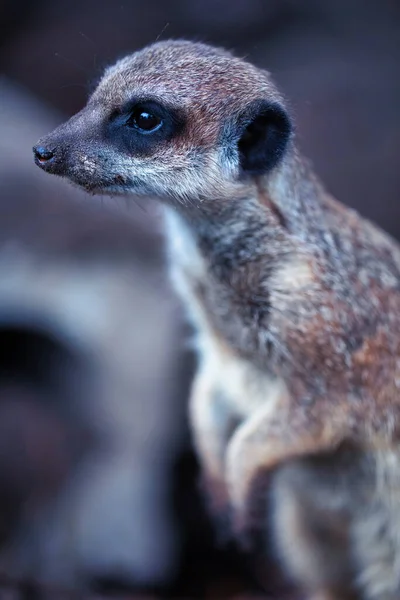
(376, 530)
(212, 423)
(311, 517)
(272, 436)
(336, 523)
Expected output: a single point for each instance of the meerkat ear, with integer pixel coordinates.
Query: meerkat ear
(264, 130)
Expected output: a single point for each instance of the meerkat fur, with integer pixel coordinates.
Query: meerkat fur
(295, 300)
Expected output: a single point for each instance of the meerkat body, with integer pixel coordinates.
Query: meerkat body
(295, 301)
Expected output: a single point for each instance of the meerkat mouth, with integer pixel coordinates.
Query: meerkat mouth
(107, 189)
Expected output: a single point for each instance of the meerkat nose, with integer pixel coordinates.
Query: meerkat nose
(42, 155)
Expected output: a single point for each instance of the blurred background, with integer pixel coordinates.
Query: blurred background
(98, 481)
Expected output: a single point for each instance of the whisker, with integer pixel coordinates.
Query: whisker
(87, 38)
(161, 32)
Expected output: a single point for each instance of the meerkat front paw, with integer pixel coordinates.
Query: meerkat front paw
(265, 441)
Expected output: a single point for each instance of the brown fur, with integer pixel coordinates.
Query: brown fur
(296, 303)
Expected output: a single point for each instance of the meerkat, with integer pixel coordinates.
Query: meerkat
(295, 300)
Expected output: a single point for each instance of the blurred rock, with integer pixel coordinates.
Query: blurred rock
(92, 335)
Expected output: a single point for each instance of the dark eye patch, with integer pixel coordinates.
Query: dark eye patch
(141, 125)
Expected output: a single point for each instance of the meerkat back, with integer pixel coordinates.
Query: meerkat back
(294, 298)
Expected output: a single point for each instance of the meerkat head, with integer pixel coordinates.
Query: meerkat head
(177, 120)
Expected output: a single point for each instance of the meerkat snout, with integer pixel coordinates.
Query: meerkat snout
(175, 120)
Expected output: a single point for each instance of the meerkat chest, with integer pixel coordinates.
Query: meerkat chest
(224, 371)
(189, 273)
(223, 282)
(242, 386)
(188, 267)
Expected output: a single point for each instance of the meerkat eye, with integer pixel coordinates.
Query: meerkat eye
(143, 120)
